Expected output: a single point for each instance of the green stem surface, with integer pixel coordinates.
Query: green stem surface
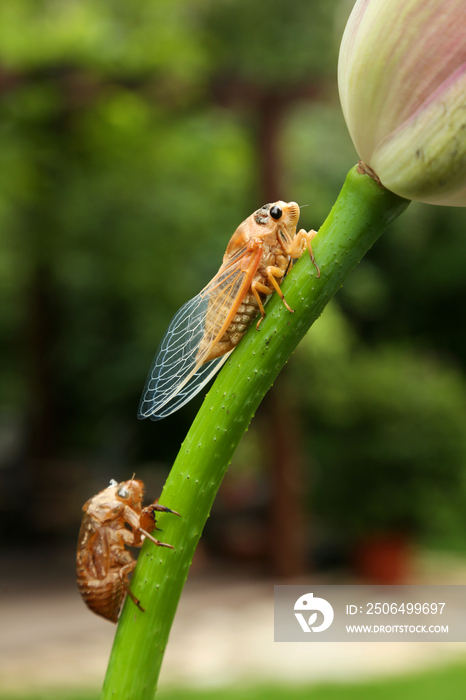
(361, 213)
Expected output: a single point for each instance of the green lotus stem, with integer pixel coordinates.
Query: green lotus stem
(360, 215)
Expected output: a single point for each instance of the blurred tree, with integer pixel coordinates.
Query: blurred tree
(267, 58)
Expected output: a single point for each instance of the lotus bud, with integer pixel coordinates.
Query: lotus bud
(402, 83)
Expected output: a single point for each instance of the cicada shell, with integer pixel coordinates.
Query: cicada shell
(207, 328)
(113, 519)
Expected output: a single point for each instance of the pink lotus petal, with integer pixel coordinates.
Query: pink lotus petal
(398, 59)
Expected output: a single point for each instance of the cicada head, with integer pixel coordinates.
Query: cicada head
(130, 492)
(291, 212)
(284, 213)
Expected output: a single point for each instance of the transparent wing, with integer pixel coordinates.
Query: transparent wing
(179, 370)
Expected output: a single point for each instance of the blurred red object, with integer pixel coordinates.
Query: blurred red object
(384, 559)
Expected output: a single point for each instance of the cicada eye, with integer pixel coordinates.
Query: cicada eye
(276, 212)
(123, 492)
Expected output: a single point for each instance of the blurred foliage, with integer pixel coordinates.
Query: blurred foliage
(447, 682)
(387, 429)
(130, 149)
(275, 44)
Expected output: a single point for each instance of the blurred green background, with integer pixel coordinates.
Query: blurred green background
(134, 138)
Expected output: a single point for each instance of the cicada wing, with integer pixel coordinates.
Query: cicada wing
(179, 370)
(198, 380)
(176, 359)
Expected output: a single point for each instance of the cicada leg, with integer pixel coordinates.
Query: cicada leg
(124, 573)
(152, 539)
(273, 273)
(302, 240)
(257, 287)
(162, 509)
(147, 524)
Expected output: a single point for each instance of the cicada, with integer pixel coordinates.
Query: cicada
(113, 519)
(207, 329)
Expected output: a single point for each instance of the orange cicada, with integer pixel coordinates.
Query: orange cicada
(113, 520)
(207, 329)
